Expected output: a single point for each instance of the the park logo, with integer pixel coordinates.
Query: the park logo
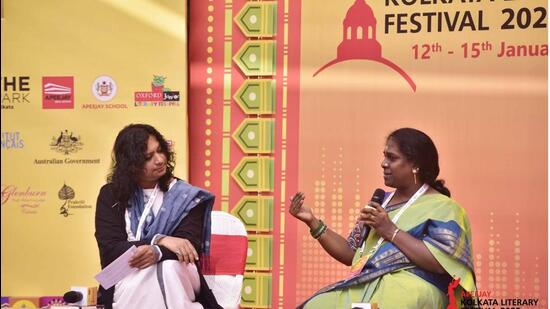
(57, 92)
(15, 91)
(67, 195)
(359, 41)
(66, 142)
(158, 96)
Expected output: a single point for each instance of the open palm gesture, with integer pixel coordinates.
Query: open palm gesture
(298, 210)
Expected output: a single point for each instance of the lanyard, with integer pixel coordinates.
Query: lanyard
(144, 215)
(418, 193)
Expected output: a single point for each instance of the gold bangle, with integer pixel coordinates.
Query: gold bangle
(394, 234)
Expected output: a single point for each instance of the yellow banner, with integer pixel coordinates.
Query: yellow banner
(73, 74)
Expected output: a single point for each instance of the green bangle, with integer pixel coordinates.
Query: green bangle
(321, 232)
(320, 229)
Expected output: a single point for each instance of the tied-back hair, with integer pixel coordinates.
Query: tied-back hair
(419, 149)
(128, 160)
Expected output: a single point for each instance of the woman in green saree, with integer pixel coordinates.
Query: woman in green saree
(418, 241)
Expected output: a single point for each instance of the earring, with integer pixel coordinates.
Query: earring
(415, 170)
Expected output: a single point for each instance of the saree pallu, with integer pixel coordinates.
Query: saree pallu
(167, 284)
(391, 280)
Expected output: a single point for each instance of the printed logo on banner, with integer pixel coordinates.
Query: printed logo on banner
(359, 41)
(12, 140)
(104, 88)
(485, 299)
(67, 194)
(158, 96)
(57, 92)
(15, 91)
(29, 199)
(66, 142)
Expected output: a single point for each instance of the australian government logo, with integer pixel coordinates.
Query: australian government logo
(12, 140)
(15, 91)
(67, 196)
(28, 199)
(66, 143)
(104, 90)
(158, 96)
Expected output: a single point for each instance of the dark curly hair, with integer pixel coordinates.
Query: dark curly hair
(128, 159)
(419, 149)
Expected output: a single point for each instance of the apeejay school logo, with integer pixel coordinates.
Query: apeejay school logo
(57, 92)
(12, 140)
(67, 143)
(158, 96)
(15, 91)
(67, 195)
(104, 89)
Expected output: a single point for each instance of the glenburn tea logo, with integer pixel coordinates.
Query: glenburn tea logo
(66, 143)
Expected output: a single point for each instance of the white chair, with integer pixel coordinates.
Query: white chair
(228, 251)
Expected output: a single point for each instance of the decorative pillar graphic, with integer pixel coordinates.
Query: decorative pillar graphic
(359, 40)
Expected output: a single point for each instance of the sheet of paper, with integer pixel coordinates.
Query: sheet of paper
(117, 270)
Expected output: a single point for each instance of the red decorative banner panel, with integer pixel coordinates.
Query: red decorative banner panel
(301, 95)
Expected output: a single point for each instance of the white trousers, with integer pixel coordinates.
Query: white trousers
(166, 285)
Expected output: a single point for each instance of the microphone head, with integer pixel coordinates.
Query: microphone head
(72, 297)
(378, 196)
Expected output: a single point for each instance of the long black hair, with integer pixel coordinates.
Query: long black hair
(420, 150)
(128, 159)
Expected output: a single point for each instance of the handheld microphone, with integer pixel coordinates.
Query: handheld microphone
(81, 296)
(72, 297)
(377, 197)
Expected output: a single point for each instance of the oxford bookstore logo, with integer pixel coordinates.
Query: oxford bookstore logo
(159, 95)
